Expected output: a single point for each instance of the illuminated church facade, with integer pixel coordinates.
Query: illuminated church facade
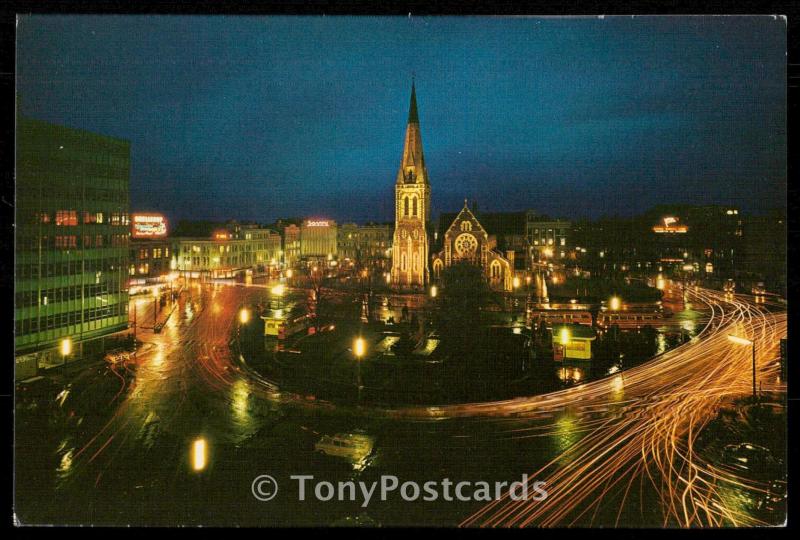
(412, 207)
(464, 241)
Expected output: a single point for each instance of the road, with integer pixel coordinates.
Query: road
(640, 427)
(115, 444)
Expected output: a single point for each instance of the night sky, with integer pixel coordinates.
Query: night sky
(261, 118)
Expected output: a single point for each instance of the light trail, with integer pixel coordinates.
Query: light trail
(649, 437)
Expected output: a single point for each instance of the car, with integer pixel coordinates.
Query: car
(729, 286)
(354, 447)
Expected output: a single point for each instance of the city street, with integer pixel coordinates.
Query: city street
(118, 443)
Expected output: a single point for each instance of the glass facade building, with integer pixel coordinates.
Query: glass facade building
(71, 238)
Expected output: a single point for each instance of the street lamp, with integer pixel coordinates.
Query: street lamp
(614, 303)
(515, 282)
(278, 290)
(359, 348)
(434, 291)
(660, 282)
(743, 341)
(65, 348)
(199, 454)
(564, 337)
(244, 316)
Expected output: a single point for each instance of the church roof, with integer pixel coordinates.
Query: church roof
(497, 223)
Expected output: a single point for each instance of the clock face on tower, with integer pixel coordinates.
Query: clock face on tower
(466, 244)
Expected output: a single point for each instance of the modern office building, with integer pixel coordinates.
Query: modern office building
(71, 242)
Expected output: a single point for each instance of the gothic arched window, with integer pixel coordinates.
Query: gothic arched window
(495, 270)
(414, 213)
(405, 206)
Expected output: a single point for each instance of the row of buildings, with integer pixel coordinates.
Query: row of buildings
(79, 250)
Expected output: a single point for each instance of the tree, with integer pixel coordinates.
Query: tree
(464, 291)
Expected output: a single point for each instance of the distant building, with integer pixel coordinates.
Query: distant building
(764, 253)
(291, 245)
(548, 239)
(229, 253)
(368, 246)
(318, 238)
(150, 249)
(72, 234)
(149, 260)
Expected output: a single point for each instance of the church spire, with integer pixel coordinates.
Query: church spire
(412, 166)
(413, 116)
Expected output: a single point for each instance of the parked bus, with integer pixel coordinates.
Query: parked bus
(285, 327)
(562, 316)
(630, 320)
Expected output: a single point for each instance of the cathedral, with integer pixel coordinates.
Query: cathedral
(465, 240)
(412, 207)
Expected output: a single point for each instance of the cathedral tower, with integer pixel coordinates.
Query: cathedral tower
(412, 207)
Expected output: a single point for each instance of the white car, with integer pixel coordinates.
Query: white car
(351, 446)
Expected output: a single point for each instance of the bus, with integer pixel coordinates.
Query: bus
(630, 320)
(562, 316)
(284, 327)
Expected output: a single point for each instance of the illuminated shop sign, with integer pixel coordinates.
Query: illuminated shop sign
(148, 226)
(670, 226)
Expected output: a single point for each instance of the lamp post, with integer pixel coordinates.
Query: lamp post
(743, 341)
(359, 347)
(564, 338)
(155, 306)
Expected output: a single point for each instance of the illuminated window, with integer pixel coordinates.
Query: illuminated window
(495, 270)
(563, 241)
(66, 218)
(466, 226)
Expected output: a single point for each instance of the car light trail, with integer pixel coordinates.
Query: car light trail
(649, 442)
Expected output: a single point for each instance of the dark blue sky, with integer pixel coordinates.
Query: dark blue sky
(259, 118)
